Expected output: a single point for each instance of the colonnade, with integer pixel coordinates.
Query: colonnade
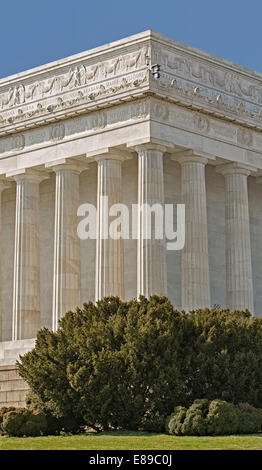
(151, 253)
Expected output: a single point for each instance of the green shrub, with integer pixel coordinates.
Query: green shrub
(250, 419)
(228, 356)
(110, 365)
(23, 422)
(222, 418)
(175, 421)
(120, 365)
(195, 421)
(216, 418)
(55, 425)
(4, 410)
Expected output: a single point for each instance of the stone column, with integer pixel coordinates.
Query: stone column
(238, 250)
(109, 251)
(3, 185)
(195, 282)
(26, 290)
(66, 274)
(151, 253)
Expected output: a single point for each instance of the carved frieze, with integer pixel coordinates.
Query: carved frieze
(57, 131)
(99, 120)
(17, 142)
(201, 122)
(71, 78)
(148, 108)
(244, 136)
(190, 71)
(140, 109)
(160, 110)
(85, 81)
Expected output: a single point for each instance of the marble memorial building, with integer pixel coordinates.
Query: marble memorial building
(108, 122)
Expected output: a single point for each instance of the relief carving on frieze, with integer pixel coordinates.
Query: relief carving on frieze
(74, 77)
(17, 142)
(57, 132)
(140, 109)
(160, 110)
(99, 120)
(189, 68)
(244, 136)
(201, 122)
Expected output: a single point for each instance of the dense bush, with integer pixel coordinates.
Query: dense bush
(66, 423)
(195, 419)
(111, 365)
(216, 417)
(222, 418)
(175, 421)
(23, 422)
(228, 354)
(4, 410)
(250, 419)
(127, 365)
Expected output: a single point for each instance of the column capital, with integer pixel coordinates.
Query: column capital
(154, 144)
(235, 168)
(192, 156)
(27, 174)
(109, 153)
(67, 164)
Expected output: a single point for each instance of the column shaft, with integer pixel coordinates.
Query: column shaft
(238, 250)
(26, 293)
(3, 185)
(66, 275)
(195, 264)
(151, 253)
(109, 252)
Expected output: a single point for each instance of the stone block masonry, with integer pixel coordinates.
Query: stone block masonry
(13, 389)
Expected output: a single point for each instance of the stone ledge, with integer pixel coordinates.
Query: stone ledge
(11, 350)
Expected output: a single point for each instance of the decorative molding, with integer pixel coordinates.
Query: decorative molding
(150, 108)
(72, 85)
(114, 74)
(192, 71)
(202, 123)
(57, 132)
(244, 136)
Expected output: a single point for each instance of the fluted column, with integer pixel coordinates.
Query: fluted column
(109, 251)
(66, 273)
(26, 291)
(238, 250)
(195, 283)
(151, 253)
(3, 185)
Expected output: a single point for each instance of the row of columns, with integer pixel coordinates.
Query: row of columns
(195, 261)
(151, 254)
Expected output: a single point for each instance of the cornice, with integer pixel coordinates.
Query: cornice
(204, 56)
(119, 72)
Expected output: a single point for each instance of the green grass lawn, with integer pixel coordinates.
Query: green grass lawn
(132, 441)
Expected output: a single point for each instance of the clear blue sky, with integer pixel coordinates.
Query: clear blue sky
(34, 32)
